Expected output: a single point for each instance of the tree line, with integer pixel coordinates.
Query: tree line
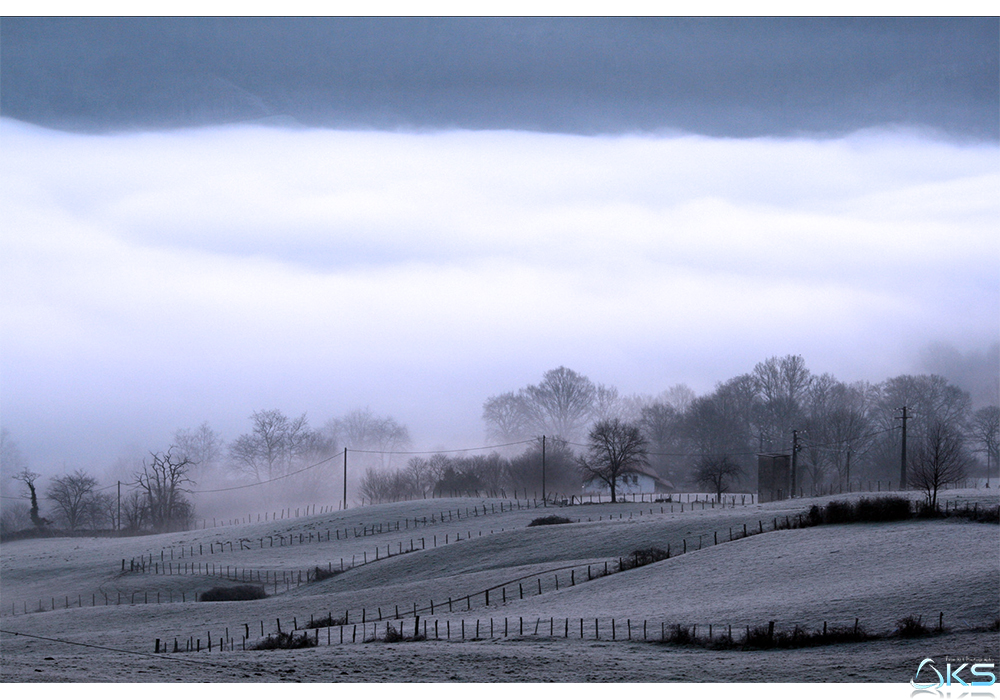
(843, 432)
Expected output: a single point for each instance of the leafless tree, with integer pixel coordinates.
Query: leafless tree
(662, 426)
(202, 446)
(678, 397)
(506, 418)
(615, 448)
(135, 511)
(986, 431)
(781, 384)
(274, 445)
(718, 472)
(15, 517)
(939, 458)
(70, 493)
(419, 472)
(99, 510)
(163, 480)
(561, 405)
(374, 436)
(28, 478)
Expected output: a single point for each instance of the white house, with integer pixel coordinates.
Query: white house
(644, 480)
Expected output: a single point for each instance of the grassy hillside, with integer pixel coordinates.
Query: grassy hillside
(876, 572)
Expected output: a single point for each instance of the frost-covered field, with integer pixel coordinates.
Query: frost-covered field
(834, 574)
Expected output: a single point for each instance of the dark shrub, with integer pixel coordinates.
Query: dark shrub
(394, 635)
(926, 510)
(328, 621)
(246, 592)
(883, 509)
(815, 516)
(550, 520)
(285, 640)
(680, 635)
(319, 574)
(838, 512)
(911, 627)
(642, 557)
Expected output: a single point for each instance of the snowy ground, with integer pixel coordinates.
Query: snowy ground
(833, 574)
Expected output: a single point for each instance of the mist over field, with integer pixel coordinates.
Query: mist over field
(652, 349)
(171, 256)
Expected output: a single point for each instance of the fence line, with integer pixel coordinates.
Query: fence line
(297, 577)
(596, 628)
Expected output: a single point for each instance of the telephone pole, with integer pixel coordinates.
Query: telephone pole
(902, 456)
(119, 505)
(543, 471)
(795, 459)
(345, 478)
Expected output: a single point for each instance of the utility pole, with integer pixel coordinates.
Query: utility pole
(795, 459)
(902, 456)
(543, 471)
(345, 478)
(119, 505)
(848, 470)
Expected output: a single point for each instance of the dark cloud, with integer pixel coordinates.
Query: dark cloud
(716, 76)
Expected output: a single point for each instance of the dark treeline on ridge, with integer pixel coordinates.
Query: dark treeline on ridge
(846, 433)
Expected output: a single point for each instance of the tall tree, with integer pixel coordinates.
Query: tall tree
(614, 448)
(71, 493)
(781, 384)
(28, 478)
(274, 444)
(562, 404)
(164, 480)
(202, 446)
(717, 472)
(986, 431)
(939, 458)
(506, 417)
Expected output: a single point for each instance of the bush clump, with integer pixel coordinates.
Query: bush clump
(550, 520)
(642, 557)
(319, 574)
(328, 621)
(910, 626)
(393, 636)
(246, 592)
(865, 510)
(285, 640)
(884, 509)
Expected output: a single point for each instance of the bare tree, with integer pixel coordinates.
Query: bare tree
(70, 493)
(420, 474)
(28, 478)
(718, 472)
(986, 431)
(135, 511)
(202, 446)
(275, 444)
(506, 417)
(562, 404)
(262, 453)
(364, 431)
(163, 480)
(939, 458)
(679, 397)
(100, 510)
(615, 448)
(15, 517)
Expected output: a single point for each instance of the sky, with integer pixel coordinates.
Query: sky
(374, 239)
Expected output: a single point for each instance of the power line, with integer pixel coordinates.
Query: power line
(268, 481)
(437, 452)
